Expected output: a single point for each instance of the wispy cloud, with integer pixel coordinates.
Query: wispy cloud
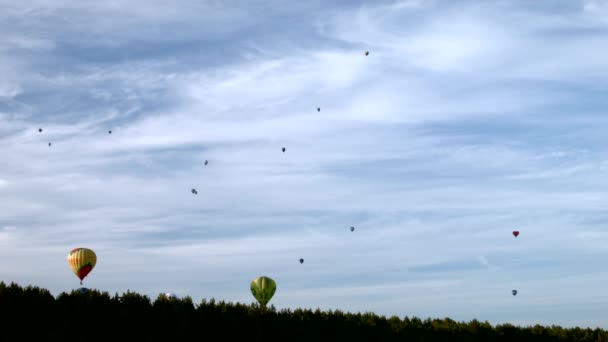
(466, 121)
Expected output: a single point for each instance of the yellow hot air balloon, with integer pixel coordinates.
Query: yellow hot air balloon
(263, 288)
(82, 261)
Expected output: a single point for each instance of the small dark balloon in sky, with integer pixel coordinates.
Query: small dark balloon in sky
(194, 191)
(49, 144)
(283, 149)
(109, 132)
(206, 162)
(301, 261)
(366, 53)
(318, 109)
(352, 229)
(39, 129)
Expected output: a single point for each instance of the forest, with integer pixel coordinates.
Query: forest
(32, 312)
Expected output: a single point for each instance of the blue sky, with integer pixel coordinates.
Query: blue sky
(467, 120)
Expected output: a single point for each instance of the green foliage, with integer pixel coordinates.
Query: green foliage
(132, 316)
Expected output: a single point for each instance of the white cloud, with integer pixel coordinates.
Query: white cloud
(9, 90)
(435, 147)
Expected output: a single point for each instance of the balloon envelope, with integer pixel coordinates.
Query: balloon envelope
(82, 261)
(514, 292)
(263, 288)
(515, 233)
(83, 290)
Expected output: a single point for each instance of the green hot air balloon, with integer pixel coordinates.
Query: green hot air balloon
(263, 289)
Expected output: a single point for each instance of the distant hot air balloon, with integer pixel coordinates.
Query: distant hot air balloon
(283, 149)
(514, 292)
(318, 109)
(206, 162)
(301, 261)
(82, 261)
(170, 295)
(352, 229)
(49, 144)
(366, 53)
(83, 290)
(194, 191)
(263, 288)
(109, 132)
(515, 233)
(40, 130)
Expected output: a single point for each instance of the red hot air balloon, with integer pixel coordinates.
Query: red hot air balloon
(515, 233)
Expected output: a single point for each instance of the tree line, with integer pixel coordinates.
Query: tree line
(34, 313)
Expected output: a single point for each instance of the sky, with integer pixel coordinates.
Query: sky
(466, 121)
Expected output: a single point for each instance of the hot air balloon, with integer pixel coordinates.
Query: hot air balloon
(515, 233)
(206, 162)
(49, 144)
(110, 132)
(514, 292)
(283, 149)
(366, 53)
(318, 109)
(40, 130)
(82, 261)
(194, 191)
(83, 290)
(263, 288)
(301, 261)
(170, 295)
(352, 229)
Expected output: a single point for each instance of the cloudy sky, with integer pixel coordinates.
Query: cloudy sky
(467, 120)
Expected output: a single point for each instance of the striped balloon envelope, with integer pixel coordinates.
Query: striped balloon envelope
(82, 261)
(263, 288)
